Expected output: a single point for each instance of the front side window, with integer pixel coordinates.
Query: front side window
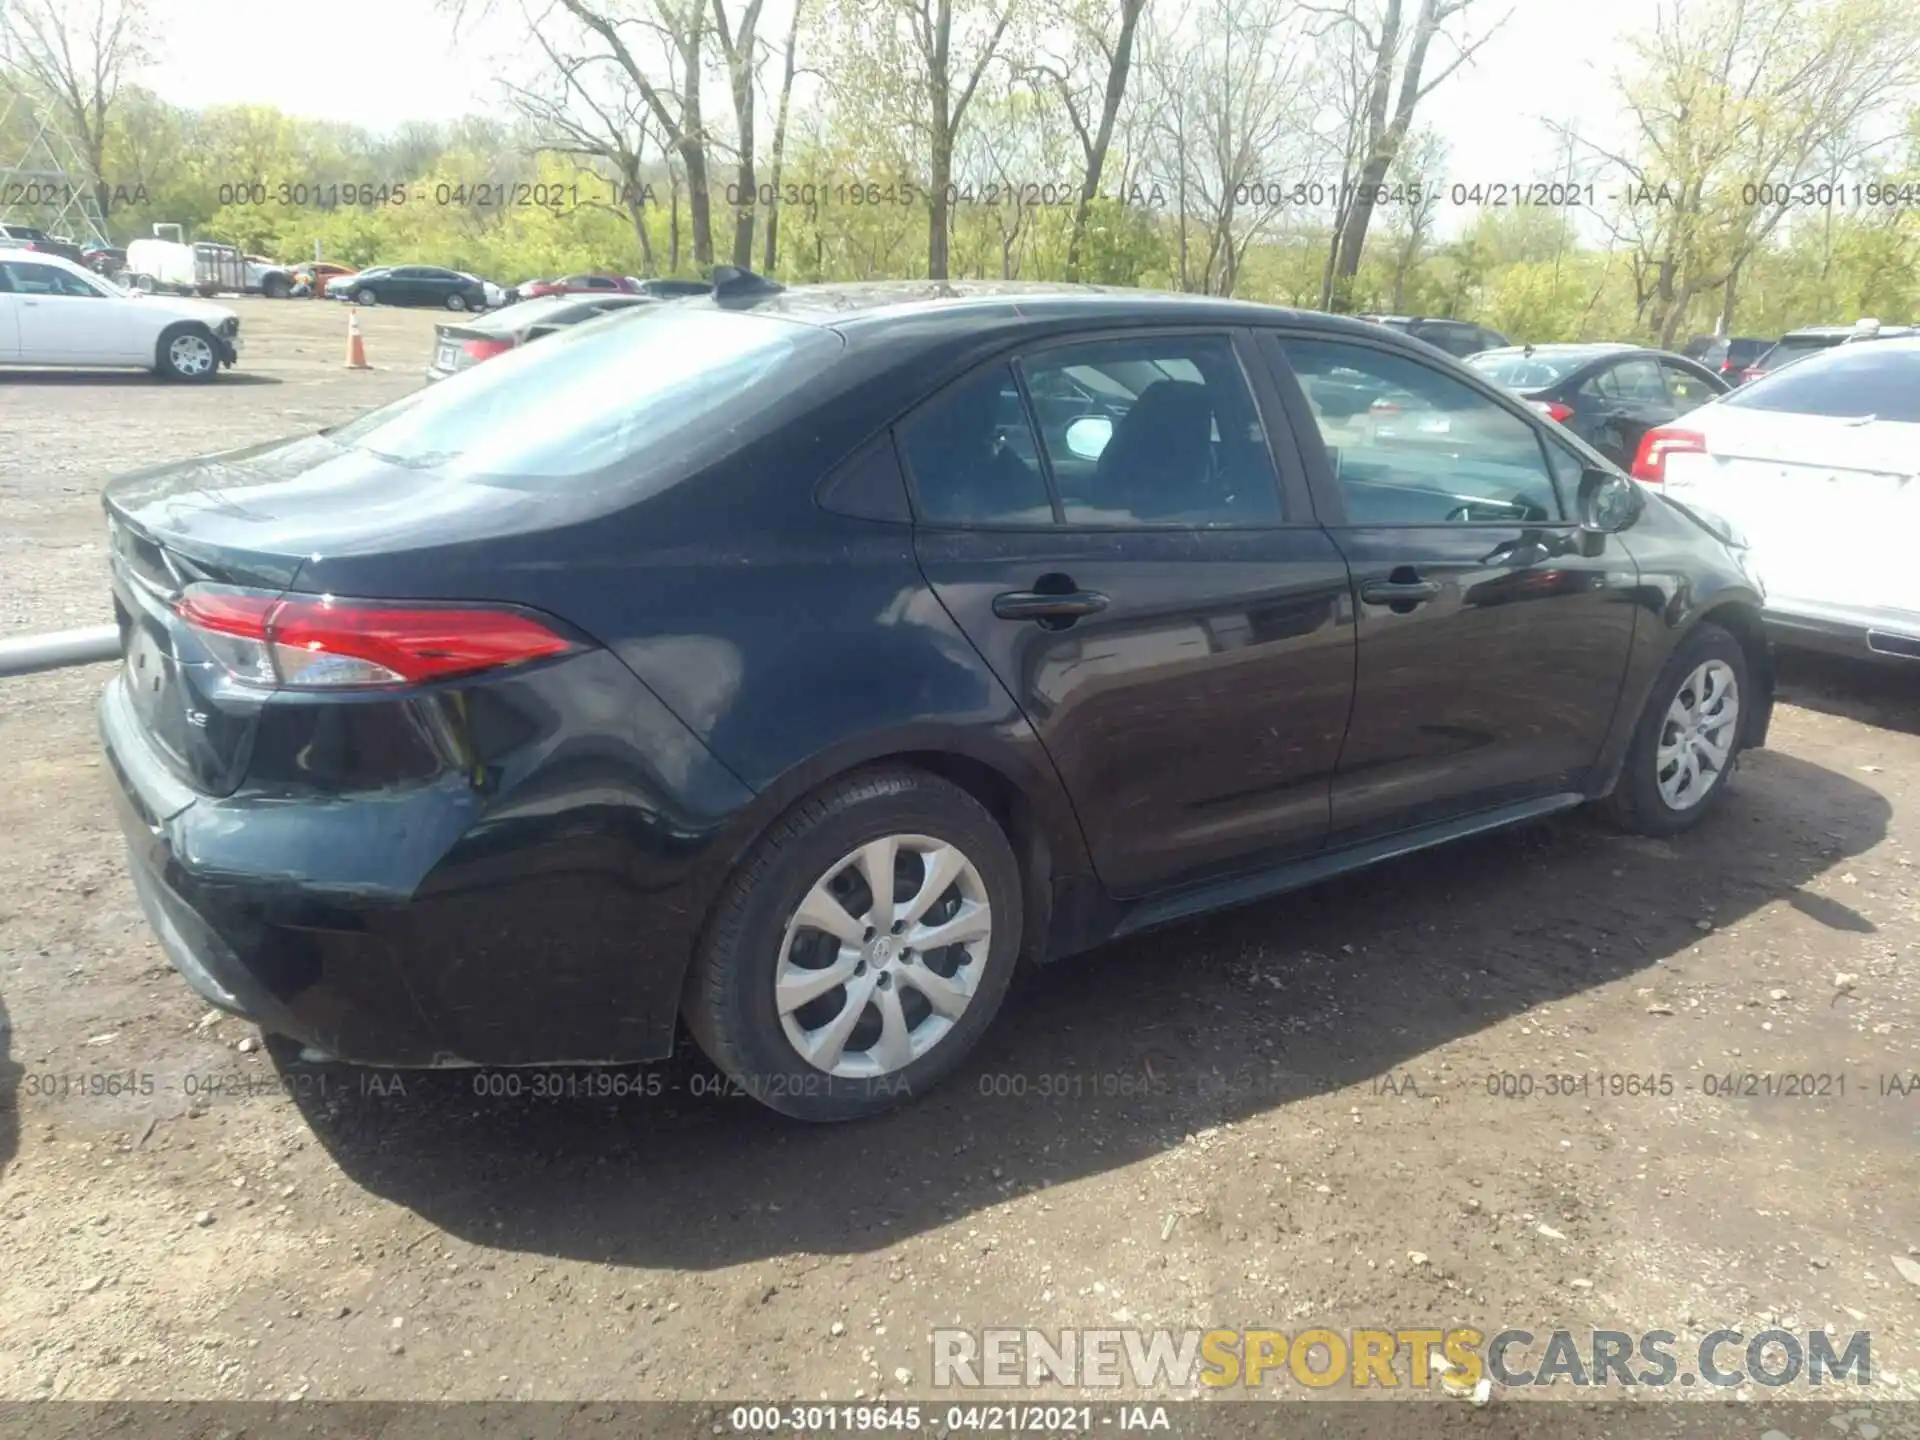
(1631, 382)
(1410, 445)
(1685, 389)
(1152, 430)
(28, 278)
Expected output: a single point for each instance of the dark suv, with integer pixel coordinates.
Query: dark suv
(30, 238)
(1457, 337)
(1728, 356)
(798, 663)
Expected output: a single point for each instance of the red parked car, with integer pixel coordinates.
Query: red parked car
(582, 285)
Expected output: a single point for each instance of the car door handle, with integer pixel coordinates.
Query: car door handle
(1040, 605)
(1398, 592)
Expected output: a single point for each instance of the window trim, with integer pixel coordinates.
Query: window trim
(1328, 499)
(1291, 485)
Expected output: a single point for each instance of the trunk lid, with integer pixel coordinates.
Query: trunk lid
(1831, 505)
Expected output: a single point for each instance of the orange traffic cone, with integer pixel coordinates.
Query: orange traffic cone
(356, 347)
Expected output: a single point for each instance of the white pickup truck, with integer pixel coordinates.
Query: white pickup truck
(168, 262)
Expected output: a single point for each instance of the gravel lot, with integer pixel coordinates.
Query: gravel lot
(1276, 1117)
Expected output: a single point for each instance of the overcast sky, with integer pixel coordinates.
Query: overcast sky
(380, 62)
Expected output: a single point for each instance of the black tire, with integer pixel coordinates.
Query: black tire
(730, 1004)
(1637, 804)
(276, 287)
(364, 296)
(456, 301)
(170, 360)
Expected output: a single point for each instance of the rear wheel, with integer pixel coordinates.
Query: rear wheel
(187, 352)
(861, 949)
(1688, 738)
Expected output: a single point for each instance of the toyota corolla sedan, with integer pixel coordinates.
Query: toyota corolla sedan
(799, 663)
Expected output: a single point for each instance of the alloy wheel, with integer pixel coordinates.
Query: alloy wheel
(190, 354)
(883, 956)
(1698, 734)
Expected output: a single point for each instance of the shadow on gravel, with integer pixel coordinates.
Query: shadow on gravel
(1885, 694)
(1108, 1058)
(125, 379)
(10, 1073)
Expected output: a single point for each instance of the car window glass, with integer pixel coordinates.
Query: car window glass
(30, 279)
(1520, 371)
(625, 402)
(971, 455)
(1881, 380)
(1686, 389)
(1637, 382)
(1410, 445)
(1165, 433)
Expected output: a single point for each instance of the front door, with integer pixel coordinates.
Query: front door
(62, 319)
(1161, 605)
(1493, 632)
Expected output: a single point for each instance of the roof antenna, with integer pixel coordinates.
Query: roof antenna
(732, 282)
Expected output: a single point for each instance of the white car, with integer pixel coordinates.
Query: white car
(54, 312)
(1819, 465)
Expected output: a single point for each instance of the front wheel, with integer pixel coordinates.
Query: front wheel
(365, 297)
(861, 949)
(187, 352)
(456, 302)
(1688, 737)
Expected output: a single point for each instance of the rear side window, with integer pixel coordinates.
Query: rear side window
(658, 382)
(972, 457)
(1881, 380)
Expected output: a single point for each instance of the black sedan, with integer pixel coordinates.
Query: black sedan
(461, 345)
(1608, 395)
(411, 285)
(800, 662)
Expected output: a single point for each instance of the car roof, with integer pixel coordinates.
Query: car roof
(47, 257)
(989, 305)
(1822, 332)
(1570, 349)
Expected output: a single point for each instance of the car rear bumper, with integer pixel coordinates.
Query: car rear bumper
(431, 924)
(1864, 632)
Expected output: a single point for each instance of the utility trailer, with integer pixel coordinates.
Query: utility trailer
(169, 262)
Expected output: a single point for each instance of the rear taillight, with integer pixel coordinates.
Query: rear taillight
(1650, 463)
(1552, 409)
(321, 643)
(485, 349)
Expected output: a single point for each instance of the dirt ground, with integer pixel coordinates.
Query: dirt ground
(1277, 1117)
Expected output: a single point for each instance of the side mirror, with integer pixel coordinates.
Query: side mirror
(1609, 502)
(1088, 436)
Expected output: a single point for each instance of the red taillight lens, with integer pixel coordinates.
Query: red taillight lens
(1552, 409)
(319, 643)
(1650, 463)
(486, 349)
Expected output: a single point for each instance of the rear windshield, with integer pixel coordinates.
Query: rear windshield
(653, 379)
(1880, 380)
(1526, 372)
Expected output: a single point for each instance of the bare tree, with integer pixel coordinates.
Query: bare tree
(586, 106)
(1228, 126)
(738, 48)
(1094, 76)
(1415, 175)
(1396, 60)
(77, 54)
(921, 63)
(1736, 106)
(779, 158)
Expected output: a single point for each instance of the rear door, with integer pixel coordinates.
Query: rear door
(1149, 582)
(1493, 632)
(1689, 388)
(1629, 398)
(9, 320)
